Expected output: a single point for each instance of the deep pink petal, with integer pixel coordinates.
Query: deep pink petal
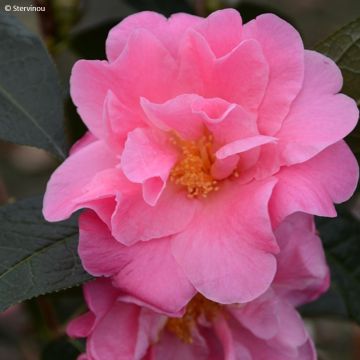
(100, 305)
(319, 117)
(115, 335)
(70, 181)
(224, 333)
(81, 326)
(314, 185)
(283, 49)
(172, 348)
(302, 273)
(146, 270)
(226, 250)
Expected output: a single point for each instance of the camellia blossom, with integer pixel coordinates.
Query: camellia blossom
(204, 134)
(265, 328)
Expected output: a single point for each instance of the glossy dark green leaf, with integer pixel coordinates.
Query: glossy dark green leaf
(36, 257)
(31, 108)
(341, 239)
(165, 7)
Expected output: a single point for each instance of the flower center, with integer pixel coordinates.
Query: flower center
(193, 171)
(198, 306)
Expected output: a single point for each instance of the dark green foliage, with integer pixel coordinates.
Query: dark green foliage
(31, 105)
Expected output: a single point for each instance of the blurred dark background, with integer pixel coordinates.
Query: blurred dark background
(73, 29)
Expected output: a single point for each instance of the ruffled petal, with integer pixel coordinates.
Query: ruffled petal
(168, 31)
(226, 251)
(134, 220)
(313, 186)
(147, 271)
(319, 117)
(72, 180)
(222, 31)
(302, 273)
(147, 159)
(283, 49)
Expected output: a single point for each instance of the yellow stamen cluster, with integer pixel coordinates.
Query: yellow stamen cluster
(193, 171)
(198, 306)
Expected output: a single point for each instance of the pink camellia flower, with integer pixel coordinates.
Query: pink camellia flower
(204, 134)
(262, 329)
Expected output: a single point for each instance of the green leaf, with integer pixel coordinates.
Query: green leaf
(36, 257)
(165, 7)
(31, 108)
(344, 48)
(341, 239)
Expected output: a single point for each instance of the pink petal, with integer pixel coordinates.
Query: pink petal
(70, 180)
(119, 35)
(318, 117)
(92, 80)
(289, 341)
(150, 327)
(222, 30)
(134, 220)
(119, 120)
(224, 334)
(243, 145)
(169, 31)
(186, 114)
(115, 337)
(268, 162)
(172, 348)
(136, 78)
(302, 273)
(89, 84)
(81, 326)
(100, 305)
(291, 331)
(223, 168)
(237, 124)
(313, 186)
(84, 141)
(258, 316)
(283, 49)
(146, 270)
(147, 159)
(196, 64)
(226, 251)
(241, 76)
